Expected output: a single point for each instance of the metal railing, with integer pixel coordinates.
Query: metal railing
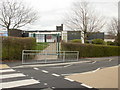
(44, 56)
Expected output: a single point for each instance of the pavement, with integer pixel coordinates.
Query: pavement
(51, 76)
(100, 78)
(2, 66)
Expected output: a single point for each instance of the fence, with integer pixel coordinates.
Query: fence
(44, 56)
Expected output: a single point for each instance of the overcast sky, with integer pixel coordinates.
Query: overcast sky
(52, 12)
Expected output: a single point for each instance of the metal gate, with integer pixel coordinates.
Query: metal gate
(44, 56)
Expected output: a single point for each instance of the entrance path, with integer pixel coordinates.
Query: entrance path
(51, 49)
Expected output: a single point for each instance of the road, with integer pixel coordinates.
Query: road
(50, 77)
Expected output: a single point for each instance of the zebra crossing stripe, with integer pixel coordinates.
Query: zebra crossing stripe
(6, 70)
(19, 83)
(11, 75)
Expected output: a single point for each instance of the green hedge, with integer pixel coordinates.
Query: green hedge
(89, 50)
(98, 41)
(12, 47)
(75, 41)
(111, 43)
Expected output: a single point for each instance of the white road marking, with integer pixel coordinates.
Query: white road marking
(45, 84)
(81, 73)
(86, 85)
(110, 59)
(68, 74)
(32, 77)
(91, 71)
(7, 70)
(53, 87)
(36, 68)
(68, 65)
(96, 70)
(19, 83)
(69, 79)
(11, 75)
(44, 71)
(55, 75)
(93, 62)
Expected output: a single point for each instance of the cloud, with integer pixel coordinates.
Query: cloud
(52, 11)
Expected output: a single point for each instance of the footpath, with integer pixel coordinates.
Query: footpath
(103, 78)
(50, 49)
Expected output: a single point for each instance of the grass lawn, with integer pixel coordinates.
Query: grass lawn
(41, 46)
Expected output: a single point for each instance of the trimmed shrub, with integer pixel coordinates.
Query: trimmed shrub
(86, 41)
(12, 47)
(90, 50)
(111, 43)
(98, 41)
(76, 41)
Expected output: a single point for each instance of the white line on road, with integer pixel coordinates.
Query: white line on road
(7, 70)
(45, 84)
(53, 87)
(69, 74)
(44, 71)
(110, 59)
(18, 71)
(55, 75)
(86, 85)
(91, 71)
(19, 83)
(81, 73)
(69, 79)
(68, 65)
(96, 69)
(94, 62)
(36, 68)
(11, 75)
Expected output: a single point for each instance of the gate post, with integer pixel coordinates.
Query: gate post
(58, 42)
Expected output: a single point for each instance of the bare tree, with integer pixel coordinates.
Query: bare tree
(14, 15)
(113, 27)
(83, 18)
